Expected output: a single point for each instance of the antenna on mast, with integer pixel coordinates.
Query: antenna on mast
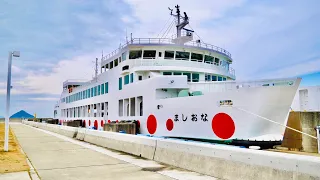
(185, 19)
(96, 70)
(126, 36)
(101, 61)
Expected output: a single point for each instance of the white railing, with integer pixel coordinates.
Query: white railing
(165, 41)
(74, 81)
(218, 69)
(221, 86)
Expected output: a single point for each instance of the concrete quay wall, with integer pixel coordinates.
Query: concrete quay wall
(220, 161)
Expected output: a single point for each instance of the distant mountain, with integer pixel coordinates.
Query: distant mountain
(22, 114)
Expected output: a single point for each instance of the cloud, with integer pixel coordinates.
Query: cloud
(151, 16)
(16, 69)
(44, 99)
(51, 83)
(295, 70)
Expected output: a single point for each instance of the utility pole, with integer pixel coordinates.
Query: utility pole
(6, 132)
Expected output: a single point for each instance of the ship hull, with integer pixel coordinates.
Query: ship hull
(257, 113)
(203, 117)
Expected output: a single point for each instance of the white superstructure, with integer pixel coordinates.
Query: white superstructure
(178, 87)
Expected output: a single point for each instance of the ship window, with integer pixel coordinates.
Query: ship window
(91, 92)
(160, 54)
(140, 78)
(120, 83)
(99, 90)
(88, 93)
(169, 54)
(102, 88)
(167, 73)
(115, 62)
(131, 78)
(119, 59)
(126, 79)
(188, 76)
(107, 66)
(182, 55)
(102, 106)
(123, 56)
(195, 77)
(140, 107)
(207, 77)
(208, 59)
(226, 102)
(224, 79)
(149, 54)
(219, 78)
(135, 54)
(111, 64)
(95, 91)
(216, 61)
(214, 78)
(121, 107)
(177, 73)
(196, 57)
(125, 67)
(106, 87)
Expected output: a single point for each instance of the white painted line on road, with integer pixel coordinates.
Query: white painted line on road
(144, 164)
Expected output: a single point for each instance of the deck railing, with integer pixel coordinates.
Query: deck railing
(166, 41)
(223, 70)
(221, 86)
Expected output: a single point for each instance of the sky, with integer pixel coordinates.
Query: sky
(59, 40)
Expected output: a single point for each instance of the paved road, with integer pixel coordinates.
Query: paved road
(54, 158)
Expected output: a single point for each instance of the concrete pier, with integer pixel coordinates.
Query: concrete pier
(220, 161)
(305, 122)
(55, 156)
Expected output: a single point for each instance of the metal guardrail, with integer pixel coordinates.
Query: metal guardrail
(220, 86)
(166, 41)
(219, 69)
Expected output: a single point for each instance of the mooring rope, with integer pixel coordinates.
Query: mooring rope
(275, 122)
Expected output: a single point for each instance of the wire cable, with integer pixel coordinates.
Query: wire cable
(275, 122)
(167, 23)
(196, 33)
(168, 29)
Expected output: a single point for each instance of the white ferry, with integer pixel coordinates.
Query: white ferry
(177, 87)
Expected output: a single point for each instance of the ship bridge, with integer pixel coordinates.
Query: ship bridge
(178, 55)
(163, 54)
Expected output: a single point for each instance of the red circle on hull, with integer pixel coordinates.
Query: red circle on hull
(109, 121)
(84, 123)
(152, 124)
(96, 124)
(102, 123)
(169, 124)
(89, 123)
(138, 124)
(223, 125)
